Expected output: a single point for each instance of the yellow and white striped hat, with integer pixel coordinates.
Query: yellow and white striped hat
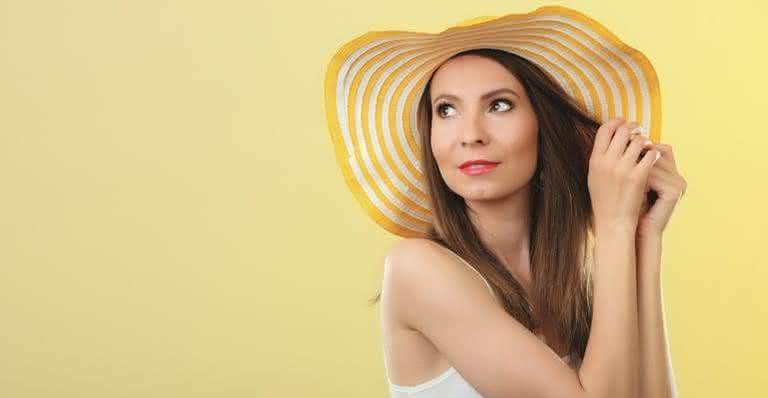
(373, 85)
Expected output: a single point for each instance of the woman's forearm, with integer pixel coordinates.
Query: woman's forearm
(656, 372)
(611, 362)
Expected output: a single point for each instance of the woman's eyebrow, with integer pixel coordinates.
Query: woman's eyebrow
(483, 97)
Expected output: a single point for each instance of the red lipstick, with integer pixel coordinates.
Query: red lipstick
(475, 167)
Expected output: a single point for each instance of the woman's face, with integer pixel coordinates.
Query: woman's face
(468, 125)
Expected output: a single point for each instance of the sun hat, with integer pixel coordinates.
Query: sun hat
(373, 85)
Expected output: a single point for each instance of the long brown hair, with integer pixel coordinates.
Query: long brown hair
(561, 210)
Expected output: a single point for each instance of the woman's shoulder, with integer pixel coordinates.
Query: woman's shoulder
(422, 276)
(416, 257)
(420, 247)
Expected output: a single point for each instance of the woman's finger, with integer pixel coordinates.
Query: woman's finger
(604, 134)
(620, 140)
(666, 151)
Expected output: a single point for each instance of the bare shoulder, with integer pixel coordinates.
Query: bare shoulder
(406, 253)
(408, 264)
(417, 269)
(413, 246)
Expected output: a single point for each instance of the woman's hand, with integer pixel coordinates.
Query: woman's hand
(616, 180)
(665, 187)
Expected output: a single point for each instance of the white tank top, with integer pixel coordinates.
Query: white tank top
(450, 383)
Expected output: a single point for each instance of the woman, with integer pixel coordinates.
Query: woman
(529, 279)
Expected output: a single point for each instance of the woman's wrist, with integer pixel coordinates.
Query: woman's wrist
(648, 250)
(615, 229)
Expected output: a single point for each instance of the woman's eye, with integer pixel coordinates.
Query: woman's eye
(440, 109)
(503, 101)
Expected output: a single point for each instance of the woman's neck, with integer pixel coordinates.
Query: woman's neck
(504, 227)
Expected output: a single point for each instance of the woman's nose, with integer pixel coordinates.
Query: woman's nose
(474, 131)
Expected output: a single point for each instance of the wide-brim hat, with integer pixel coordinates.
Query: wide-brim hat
(373, 85)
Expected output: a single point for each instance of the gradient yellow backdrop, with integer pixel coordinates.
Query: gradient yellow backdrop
(173, 223)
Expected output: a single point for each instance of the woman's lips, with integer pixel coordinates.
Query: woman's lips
(475, 169)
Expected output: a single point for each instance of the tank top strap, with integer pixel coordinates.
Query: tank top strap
(490, 289)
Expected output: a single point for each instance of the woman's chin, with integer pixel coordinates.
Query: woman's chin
(488, 191)
(485, 192)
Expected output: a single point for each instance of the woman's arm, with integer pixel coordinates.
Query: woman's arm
(426, 290)
(657, 377)
(610, 366)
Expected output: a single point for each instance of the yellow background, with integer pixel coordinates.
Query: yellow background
(173, 223)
